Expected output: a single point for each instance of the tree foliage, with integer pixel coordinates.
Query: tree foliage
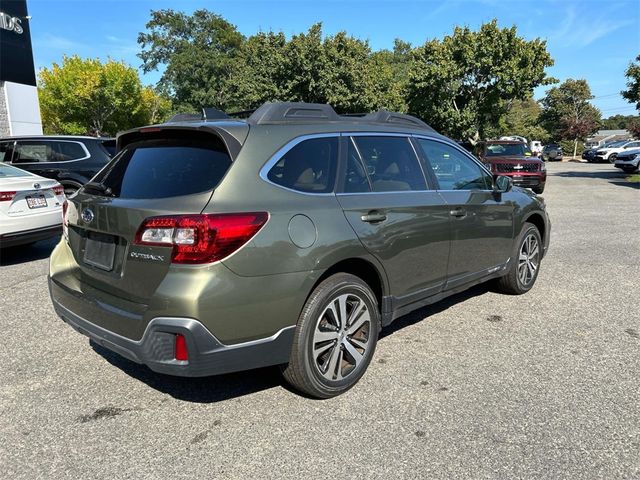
(521, 118)
(618, 122)
(632, 93)
(465, 82)
(197, 53)
(567, 113)
(86, 96)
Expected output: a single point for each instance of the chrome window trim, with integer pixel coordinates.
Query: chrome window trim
(466, 154)
(87, 154)
(282, 151)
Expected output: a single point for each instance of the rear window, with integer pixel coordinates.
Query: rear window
(168, 168)
(8, 171)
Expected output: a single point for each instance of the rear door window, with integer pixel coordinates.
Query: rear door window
(310, 166)
(167, 168)
(390, 163)
(27, 151)
(67, 151)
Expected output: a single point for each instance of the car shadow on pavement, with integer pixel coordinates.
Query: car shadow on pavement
(424, 312)
(199, 389)
(617, 177)
(27, 253)
(233, 385)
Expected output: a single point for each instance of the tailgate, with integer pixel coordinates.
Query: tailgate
(168, 176)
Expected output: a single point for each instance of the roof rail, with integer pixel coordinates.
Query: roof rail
(283, 112)
(301, 112)
(291, 112)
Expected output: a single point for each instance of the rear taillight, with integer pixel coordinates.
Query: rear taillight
(201, 238)
(58, 190)
(7, 196)
(181, 352)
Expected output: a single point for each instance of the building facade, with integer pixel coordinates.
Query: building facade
(19, 106)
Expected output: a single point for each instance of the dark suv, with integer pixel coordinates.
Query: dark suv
(513, 159)
(290, 238)
(71, 160)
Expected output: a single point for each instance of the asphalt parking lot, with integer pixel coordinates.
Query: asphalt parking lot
(546, 385)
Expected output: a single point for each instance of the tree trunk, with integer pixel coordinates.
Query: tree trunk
(575, 147)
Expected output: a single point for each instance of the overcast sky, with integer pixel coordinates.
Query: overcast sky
(589, 39)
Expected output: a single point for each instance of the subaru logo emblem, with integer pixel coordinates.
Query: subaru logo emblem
(36, 186)
(87, 215)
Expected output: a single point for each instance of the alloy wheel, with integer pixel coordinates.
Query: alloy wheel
(528, 259)
(342, 337)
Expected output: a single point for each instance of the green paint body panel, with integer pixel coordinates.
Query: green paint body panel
(419, 252)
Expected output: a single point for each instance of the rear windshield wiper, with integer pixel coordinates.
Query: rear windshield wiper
(99, 187)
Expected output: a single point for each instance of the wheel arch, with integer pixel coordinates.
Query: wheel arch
(538, 220)
(364, 269)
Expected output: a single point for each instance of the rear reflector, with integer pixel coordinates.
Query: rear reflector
(58, 190)
(6, 196)
(201, 238)
(181, 352)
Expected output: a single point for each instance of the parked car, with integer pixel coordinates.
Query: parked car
(30, 207)
(71, 160)
(611, 152)
(628, 160)
(513, 159)
(290, 238)
(536, 147)
(552, 152)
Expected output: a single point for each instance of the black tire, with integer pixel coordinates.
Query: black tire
(305, 370)
(538, 190)
(511, 283)
(613, 157)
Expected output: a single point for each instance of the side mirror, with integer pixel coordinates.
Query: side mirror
(502, 184)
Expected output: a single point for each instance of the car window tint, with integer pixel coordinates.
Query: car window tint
(173, 168)
(5, 151)
(453, 169)
(355, 179)
(33, 152)
(65, 151)
(310, 166)
(390, 163)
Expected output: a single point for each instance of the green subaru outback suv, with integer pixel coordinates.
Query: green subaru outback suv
(291, 238)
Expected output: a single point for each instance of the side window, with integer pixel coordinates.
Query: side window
(5, 151)
(65, 151)
(33, 152)
(308, 167)
(355, 179)
(453, 169)
(390, 163)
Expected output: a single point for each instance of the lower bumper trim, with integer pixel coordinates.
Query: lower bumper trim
(207, 355)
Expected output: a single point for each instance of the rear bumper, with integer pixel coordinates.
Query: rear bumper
(29, 236)
(207, 355)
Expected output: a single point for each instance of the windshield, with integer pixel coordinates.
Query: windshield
(616, 144)
(507, 149)
(9, 171)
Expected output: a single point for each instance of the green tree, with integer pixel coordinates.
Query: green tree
(618, 122)
(86, 96)
(464, 83)
(567, 113)
(632, 93)
(521, 118)
(196, 52)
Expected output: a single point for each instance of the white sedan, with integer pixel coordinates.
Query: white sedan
(30, 207)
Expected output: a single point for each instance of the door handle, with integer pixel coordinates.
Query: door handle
(458, 212)
(373, 217)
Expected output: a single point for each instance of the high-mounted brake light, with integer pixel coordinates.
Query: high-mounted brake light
(201, 238)
(6, 196)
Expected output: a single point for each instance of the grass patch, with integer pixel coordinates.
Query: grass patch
(634, 178)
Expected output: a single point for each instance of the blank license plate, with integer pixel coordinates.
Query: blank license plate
(99, 251)
(36, 201)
